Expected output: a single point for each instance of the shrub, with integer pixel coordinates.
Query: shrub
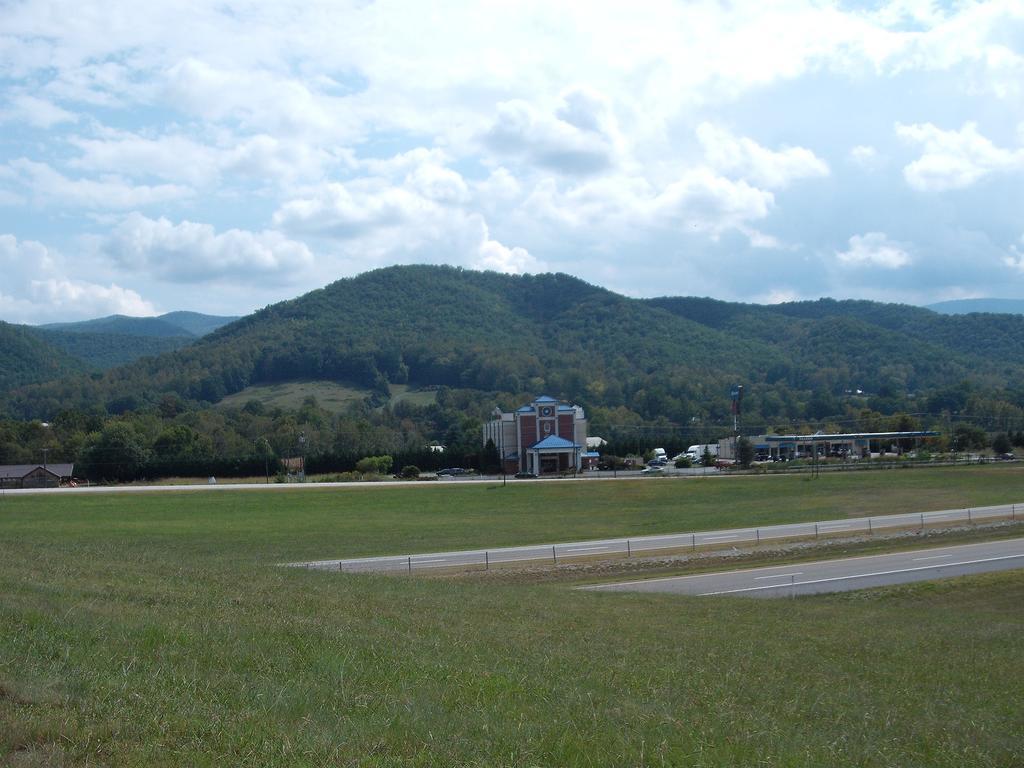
(410, 471)
(374, 465)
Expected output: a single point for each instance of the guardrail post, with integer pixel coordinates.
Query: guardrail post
(757, 535)
(922, 521)
(969, 520)
(553, 555)
(628, 552)
(339, 565)
(871, 530)
(693, 541)
(410, 563)
(815, 530)
(487, 561)
(1013, 512)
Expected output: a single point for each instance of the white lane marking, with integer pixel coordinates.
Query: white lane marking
(432, 560)
(862, 575)
(932, 557)
(779, 575)
(816, 562)
(718, 538)
(833, 527)
(584, 549)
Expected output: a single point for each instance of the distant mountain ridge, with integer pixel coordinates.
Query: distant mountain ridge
(35, 354)
(192, 324)
(662, 358)
(991, 306)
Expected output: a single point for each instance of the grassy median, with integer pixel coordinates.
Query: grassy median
(152, 630)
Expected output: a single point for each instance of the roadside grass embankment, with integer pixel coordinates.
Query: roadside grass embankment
(151, 630)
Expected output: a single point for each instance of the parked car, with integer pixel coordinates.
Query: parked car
(652, 471)
(525, 476)
(451, 471)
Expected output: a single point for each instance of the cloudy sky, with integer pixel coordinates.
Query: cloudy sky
(222, 156)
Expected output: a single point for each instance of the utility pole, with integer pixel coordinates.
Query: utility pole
(45, 451)
(737, 408)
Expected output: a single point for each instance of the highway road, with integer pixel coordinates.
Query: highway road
(555, 553)
(839, 575)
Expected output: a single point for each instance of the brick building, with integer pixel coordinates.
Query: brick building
(545, 437)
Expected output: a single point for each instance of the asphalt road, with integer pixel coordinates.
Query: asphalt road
(839, 575)
(559, 552)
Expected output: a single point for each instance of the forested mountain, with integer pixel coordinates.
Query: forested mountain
(100, 351)
(197, 323)
(26, 359)
(669, 358)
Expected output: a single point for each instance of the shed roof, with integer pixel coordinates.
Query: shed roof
(8, 471)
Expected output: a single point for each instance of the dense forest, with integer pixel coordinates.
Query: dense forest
(656, 370)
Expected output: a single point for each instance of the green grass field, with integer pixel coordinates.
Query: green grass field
(290, 395)
(154, 630)
(330, 395)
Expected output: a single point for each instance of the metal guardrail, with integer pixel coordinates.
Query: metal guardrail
(629, 547)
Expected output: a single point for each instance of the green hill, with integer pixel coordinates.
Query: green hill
(25, 358)
(100, 351)
(670, 358)
(196, 323)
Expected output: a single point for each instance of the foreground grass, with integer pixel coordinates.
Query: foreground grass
(151, 631)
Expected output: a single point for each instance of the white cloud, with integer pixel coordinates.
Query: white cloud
(702, 201)
(864, 155)
(37, 112)
(413, 189)
(746, 158)
(47, 185)
(257, 99)
(179, 158)
(73, 297)
(413, 208)
(698, 201)
(176, 158)
(874, 249)
(41, 292)
(192, 252)
(494, 256)
(580, 138)
(954, 159)
(1016, 258)
(351, 210)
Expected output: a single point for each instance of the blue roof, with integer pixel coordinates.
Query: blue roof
(545, 399)
(591, 455)
(553, 441)
(525, 409)
(566, 408)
